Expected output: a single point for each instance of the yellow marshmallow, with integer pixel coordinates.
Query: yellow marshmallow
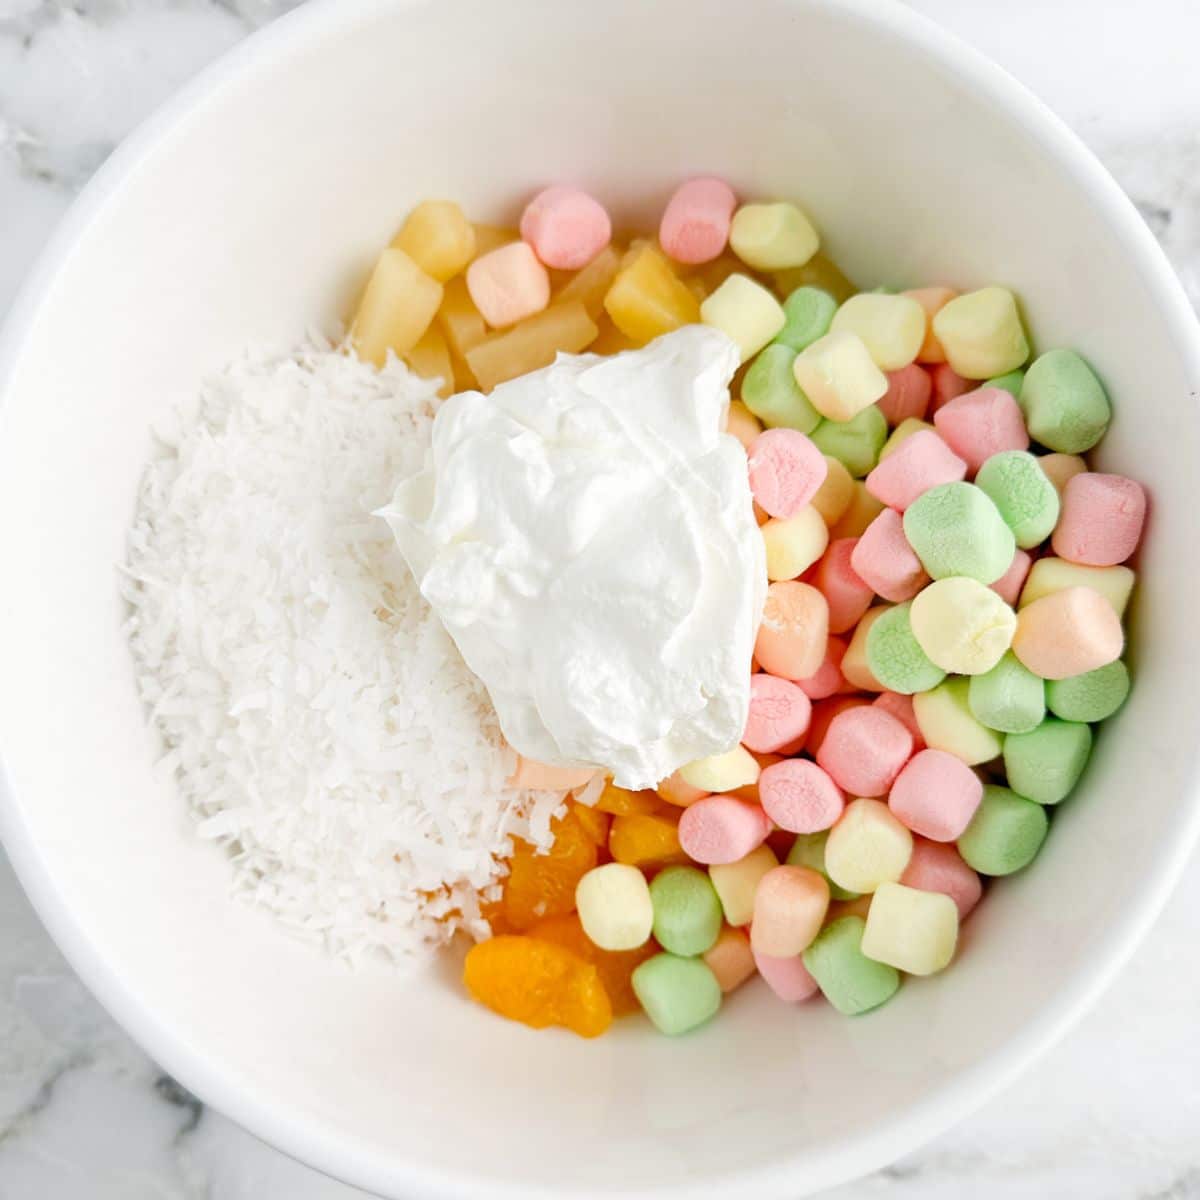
(838, 376)
(981, 333)
(736, 883)
(892, 327)
(911, 930)
(615, 908)
(854, 662)
(772, 237)
(1060, 468)
(746, 311)
(867, 847)
(835, 495)
(722, 772)
(794, 543)
(860, 512)
(902, 433)
(962, 625)
(1056, 574)
(946, 722)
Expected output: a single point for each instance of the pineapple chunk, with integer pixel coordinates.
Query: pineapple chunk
(397, 307)
(430, 358)
(438, 238)
(610, 340)
(492, 237)
(647, 300)
(590, 284)
(459, 319)
(531, 344)
(819, 272)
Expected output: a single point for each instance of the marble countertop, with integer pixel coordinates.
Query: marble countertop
(1113, 1113)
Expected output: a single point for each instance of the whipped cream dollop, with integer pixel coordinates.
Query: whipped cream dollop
(587, 537)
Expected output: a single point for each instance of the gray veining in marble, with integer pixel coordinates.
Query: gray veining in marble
(1113, 1113)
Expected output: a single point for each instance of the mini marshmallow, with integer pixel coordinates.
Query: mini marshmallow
(867, 847)
(1008, 586)
(922, 462)
(860, 512)
(566, 227)
(981, 333)
(947, 723)
(855, 662)
(932, 300)
(936, 795)
(736, 883)
(809, 312)
(808, 850)
(828, 678)
(1025, 498)
(1045, 764)
(846, 592)
(863, 751)
(838, 375)
(1060, 468)
(892, 327)
(911, 930)
(746, 311)
(779, 714)
(962, 625)
(800, 796)
(823, 714)
(947, 386)
(1102, 519)
(849, 980)
(1011, 382)
(836, 494)
(731, 960)
(907, 397)
(886, 562)
(1009, 698)
(687, 912)
(771, 393)
(795, 626)
(786, 471)
(675, 791)
(895, 656)
(722, 829)
(1005, 833)
(857, 443)
(787, 977)
(937, 867)
(743, 425)
(793, 544)
(614, 906)
(1050, 575)
(789, 907)
(906, 429)
(721, 772)
(772, 237)
(508, 284)
(695, 225)
(1065, 405)
(957, 530)
(981, 423)
(1092, 696)
(1067, 633)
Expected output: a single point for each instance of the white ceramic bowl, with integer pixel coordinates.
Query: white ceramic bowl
(249, 209)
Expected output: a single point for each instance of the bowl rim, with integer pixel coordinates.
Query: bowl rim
(341, 1156)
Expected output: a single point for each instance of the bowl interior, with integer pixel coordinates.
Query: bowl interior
(254, 214)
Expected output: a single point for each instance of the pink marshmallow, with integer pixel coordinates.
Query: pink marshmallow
(695, 225)
(901, 707)
(722, 829)
(824, 712)
(909, 390)
(864, 750)
(1008, 586)
(981, 423)
(938, 867)
(829, 679)
(508, 284)
(787, 977)
(779, 714)
(919, 463)
(1101, 520)
(947, 386)
(886, 562)
(936, 795)
(786, 471)
(846, 592)
(1068, 633)
(799, 796)
(566, 227)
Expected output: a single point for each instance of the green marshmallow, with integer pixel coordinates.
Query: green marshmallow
(1065, 405)
(809, 313)
(1005, 833)
(687, 911)
(808, 850)
(1016, 484)
(956, 529)
(895, 657)
(771, 393)
(1093, 696)
(678, 994)
(855, 443)
(1009, 698)
(1011, 382)
(1045, 763)
(851, 982)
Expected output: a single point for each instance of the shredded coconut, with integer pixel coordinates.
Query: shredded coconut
(317, 718)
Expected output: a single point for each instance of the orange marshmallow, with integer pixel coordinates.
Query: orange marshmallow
(508, 285)
(789, 906)
(1068, 633)
(795, 627)
(730, 959)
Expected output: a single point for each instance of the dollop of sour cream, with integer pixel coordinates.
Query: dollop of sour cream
(587, 537)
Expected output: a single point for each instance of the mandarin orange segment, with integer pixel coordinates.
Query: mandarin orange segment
(616, 967)
(594, 821)
(621, 801)
(543, 885)
(538, 983)
(646, 840)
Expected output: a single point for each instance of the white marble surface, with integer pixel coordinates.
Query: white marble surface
(1112, 1114)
